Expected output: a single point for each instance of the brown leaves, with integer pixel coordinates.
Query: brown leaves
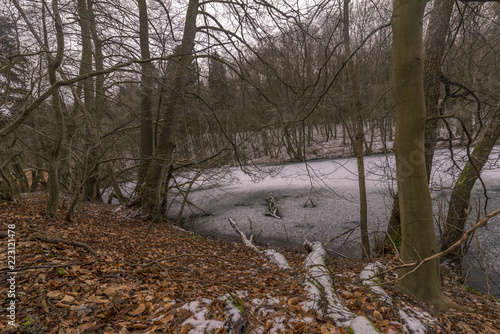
(147, 285)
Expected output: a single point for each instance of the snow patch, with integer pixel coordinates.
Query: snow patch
(277, 258)
(198, 321)
(411, 324)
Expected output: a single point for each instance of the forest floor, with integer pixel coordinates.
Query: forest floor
(150, 277)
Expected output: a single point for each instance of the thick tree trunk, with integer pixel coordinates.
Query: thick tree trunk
(417, 223)
(155, 178)
(460, 196)
(363, 207)
(435, 41)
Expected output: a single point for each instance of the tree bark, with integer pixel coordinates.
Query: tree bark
(417, 224)
(146, 127)
(460, 196)
(435, 41)
(162, 163)
(53, 202)
(92, 184)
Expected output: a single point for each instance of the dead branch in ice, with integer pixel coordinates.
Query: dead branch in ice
(272, 255)
(320, 287)
(273, 207)
(310, 199)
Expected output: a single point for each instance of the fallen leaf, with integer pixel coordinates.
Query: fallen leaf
(140, 309)
(53, 294)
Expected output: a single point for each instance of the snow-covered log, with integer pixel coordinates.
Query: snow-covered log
(272, 255)
(369, 276)
(320, 287)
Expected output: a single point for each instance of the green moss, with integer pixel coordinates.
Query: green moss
(396, 240)
(61, 271)
(27, 321)
(237, 302)
(350, 331)
(196, 237)
(462, 180)
(471, 289)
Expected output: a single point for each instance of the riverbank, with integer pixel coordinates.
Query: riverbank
(151, 277)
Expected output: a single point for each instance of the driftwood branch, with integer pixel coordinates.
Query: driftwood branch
(273, 207)
(457, 244)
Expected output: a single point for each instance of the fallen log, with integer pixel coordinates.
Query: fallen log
(319, 286)
(272, 255)
(369, 276)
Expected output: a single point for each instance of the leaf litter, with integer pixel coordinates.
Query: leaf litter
(171, 281)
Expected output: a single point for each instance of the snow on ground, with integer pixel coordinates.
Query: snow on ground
(198, 321)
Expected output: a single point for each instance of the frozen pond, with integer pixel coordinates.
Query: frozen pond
(319, 201)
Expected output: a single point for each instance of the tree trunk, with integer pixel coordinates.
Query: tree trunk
(53, 202)
(460, 196)
(100, 99)
(146, 128)
(435, 41)
(92, 184)
(417, 224)
(363, 207)
(155, 178)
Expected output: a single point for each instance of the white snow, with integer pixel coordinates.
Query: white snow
(277, 258)
(411, 324)
(200, 324)
(368, 275)
(320, 285)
